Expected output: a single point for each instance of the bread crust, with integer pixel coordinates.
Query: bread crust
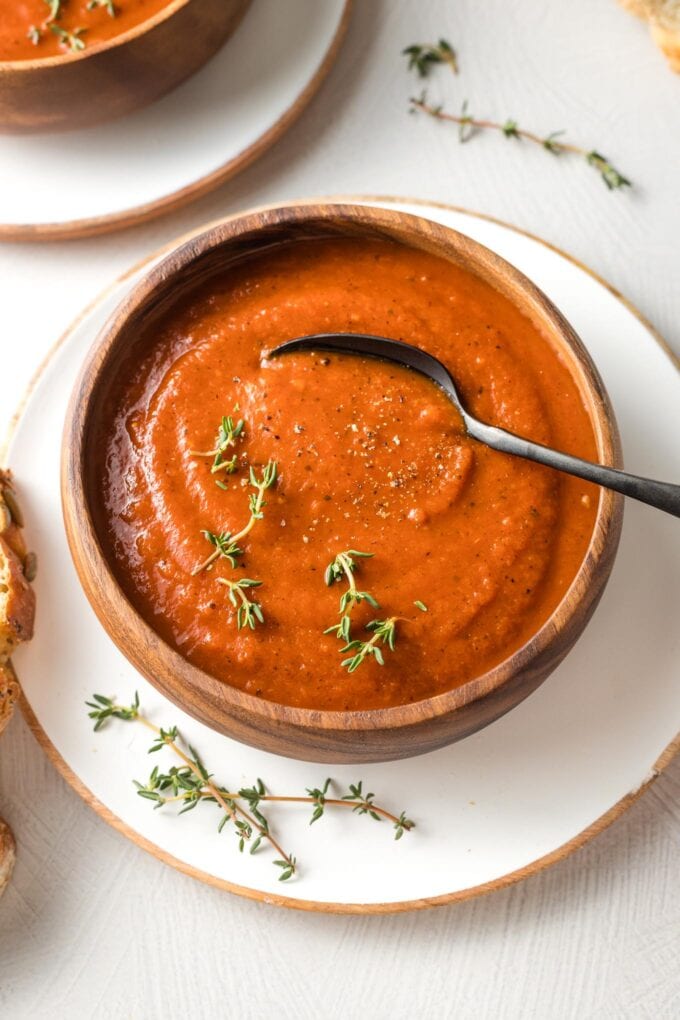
(17, 598)
(664, 23)
(17, 602)
(17, 614)
(9, 693)
(668, 41)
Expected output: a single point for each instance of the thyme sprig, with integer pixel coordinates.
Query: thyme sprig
(384, 631)
(248, 612)
(468, 125)
(227, 545)
(71, 40)
(343, 566)
(422, 59)
(191, 783)
(227, 434)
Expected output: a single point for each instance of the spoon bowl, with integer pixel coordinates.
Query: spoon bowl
(662, 495)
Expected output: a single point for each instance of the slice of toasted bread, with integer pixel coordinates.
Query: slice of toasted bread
(17, 599)
(664, 23)
(17, 612)
(9, 692)
(17, 602)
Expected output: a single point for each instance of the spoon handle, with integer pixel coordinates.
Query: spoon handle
(662, 495)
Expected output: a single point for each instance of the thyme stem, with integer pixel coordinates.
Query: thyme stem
(227, 434)
(225, 543)
(345, 564)
(226, 801)
(385, 631)
(192, 784)
(467, 124)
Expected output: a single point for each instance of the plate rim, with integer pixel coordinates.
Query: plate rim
(91, 226)
(319, 906)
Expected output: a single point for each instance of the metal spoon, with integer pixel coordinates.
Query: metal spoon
(662, 495)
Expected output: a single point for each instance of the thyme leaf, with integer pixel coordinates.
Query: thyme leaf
(422, 58)
(71, 40)
(248, 612)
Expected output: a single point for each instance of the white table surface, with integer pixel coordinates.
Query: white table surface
(91, 926)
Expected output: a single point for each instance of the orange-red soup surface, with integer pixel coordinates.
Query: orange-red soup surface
(32, 29)
(370, 457)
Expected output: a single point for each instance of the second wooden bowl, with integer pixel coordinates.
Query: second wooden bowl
(112, 78)
(378, 734)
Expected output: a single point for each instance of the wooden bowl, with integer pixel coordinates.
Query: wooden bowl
(379, 734)
(112, 78)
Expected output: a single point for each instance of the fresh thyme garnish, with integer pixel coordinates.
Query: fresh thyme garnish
(344, 565)
(423, 58)
(248, 613)
(227, 434)
(108, 4)
(34, 35)
(72, 40)
(191, 783)
(226, 544)
(383, 630)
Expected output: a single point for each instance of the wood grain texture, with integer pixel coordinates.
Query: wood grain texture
(595, 936)
(380, 734)
(109, 79)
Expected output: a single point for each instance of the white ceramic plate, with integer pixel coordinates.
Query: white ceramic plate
(190, 141)
(489, 810)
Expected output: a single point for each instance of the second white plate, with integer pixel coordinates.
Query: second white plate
(178, 148)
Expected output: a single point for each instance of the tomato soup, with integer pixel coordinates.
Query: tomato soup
(31, 29)
(467, 551)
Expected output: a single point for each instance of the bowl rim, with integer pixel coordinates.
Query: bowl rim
(238, 703)
(140, 29)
